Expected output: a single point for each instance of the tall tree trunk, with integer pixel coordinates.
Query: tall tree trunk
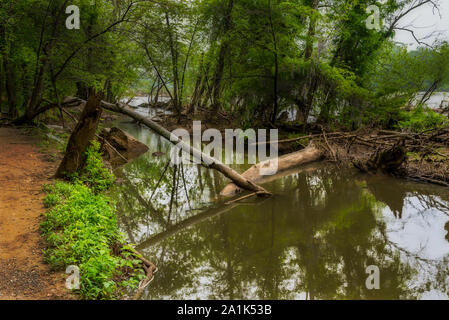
(310, 86)
(174, 58)
(200, 86)
(276, 67)
(311, 32)
(38, 87)
(215, 89)
(2, 76)
(82, 91)
(10, 86)
(9, 75)
(109, 97)
(81, 136)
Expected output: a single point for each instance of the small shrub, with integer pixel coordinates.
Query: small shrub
(421, 119)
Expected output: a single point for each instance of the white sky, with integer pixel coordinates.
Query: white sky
(424, 21)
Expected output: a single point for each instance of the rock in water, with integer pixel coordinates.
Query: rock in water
(123, 143)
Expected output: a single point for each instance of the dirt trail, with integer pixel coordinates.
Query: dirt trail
(23, 171)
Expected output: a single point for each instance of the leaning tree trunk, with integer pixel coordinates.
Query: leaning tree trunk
(207, 160)
(83, 133)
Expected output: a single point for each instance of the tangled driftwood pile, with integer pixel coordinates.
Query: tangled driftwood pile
(421, 156)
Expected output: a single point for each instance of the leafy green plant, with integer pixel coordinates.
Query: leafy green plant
(421, 119)
(94, 174)
(80, 229)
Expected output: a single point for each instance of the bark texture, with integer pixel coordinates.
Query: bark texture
(285, 164)
(207, 161)
(83, 133)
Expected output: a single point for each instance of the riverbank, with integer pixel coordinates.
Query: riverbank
(47, 225)
(80, 229)
(23, 172)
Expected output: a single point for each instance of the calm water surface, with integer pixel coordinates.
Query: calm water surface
(312, 240)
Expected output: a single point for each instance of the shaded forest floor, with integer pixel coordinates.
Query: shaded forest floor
(23, 171)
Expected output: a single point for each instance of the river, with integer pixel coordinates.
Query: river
(314, 239)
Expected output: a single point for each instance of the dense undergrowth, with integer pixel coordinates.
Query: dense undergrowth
(80, 228)
(421, 118)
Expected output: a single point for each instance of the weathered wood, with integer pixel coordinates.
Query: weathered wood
(285, 163)
(206, 160)
(81, 136)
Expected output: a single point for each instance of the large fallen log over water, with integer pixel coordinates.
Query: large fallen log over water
(239, 180)
(285, 163)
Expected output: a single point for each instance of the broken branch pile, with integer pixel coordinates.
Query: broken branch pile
(420, 156)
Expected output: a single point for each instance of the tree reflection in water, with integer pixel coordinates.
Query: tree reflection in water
(312, 240)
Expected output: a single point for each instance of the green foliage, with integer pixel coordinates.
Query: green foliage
(80, 229)
(94, 174)
(254, 58)
(421, 119)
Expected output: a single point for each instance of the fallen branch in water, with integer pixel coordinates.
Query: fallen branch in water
(205, 159)
(242, 198)
(284, 163)
(311, 136)
(150, 270)
(208, 161)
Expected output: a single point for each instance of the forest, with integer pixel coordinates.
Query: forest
(252, 59)
(353, 106)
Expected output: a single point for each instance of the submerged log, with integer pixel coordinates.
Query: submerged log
(210, 162)
(285, 164)
(81, 136)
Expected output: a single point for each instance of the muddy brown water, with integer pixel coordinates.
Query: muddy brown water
(314, 239)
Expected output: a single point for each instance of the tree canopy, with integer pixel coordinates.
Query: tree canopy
(252, 58)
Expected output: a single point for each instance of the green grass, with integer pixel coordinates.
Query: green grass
(80, 228)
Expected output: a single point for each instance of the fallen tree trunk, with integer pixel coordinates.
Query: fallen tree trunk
(239, 180)
(81, 136)
(285, 164)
